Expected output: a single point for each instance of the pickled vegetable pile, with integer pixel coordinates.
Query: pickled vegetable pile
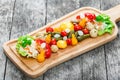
(69, 33)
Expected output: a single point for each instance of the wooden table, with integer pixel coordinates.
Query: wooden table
(19, 17)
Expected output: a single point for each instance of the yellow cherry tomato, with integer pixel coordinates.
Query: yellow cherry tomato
(82, 23)
(66, 25)
(74, 40)
(41, 56)
(61, 44)
(48, 38)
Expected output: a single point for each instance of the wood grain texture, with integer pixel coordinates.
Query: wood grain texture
(28, 16)
(112, 49)
(6, 10)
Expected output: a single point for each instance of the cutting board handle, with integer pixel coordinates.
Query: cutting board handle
(114, 13)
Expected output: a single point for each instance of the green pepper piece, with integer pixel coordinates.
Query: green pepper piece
(76, 34)
(60, 38)
(80, 38)
(70, 34)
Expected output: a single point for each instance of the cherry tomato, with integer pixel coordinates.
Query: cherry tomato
(63, 33)
(53, 42)
(78, 17)
(49, 29)
(90, 16)
(47, 46)
(85, 31)
(47, 53)
(69, 41)
(39, 41)
(77, 27)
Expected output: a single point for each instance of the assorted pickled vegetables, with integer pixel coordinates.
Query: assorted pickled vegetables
(42, 45)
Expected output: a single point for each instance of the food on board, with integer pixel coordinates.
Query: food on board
(69, 33)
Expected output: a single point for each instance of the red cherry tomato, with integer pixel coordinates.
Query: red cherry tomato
(85, 31)
(69, 41)
(63, 33)
(49, 29)
(47, 53)
(78, 17)
(90, 16)
(94, 16)
(53, 42)
(39, 41)
(77, 27)
(47, 46)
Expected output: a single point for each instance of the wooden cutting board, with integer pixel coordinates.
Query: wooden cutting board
(34, 69)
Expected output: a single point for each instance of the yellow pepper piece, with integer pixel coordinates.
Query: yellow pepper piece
(61, 44)
(57, 29)
(41, 56)
(74, 40)
(83, 22)
(66, 25)
(48, 38)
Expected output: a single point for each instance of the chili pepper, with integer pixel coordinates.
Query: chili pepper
(74, 40)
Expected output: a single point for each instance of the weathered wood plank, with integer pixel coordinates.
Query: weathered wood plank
(112, 49)
(94, 61)
(6, 10)
(72, 69)
(28, 16)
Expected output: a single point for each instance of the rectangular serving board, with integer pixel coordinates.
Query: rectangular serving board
(34, 69)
